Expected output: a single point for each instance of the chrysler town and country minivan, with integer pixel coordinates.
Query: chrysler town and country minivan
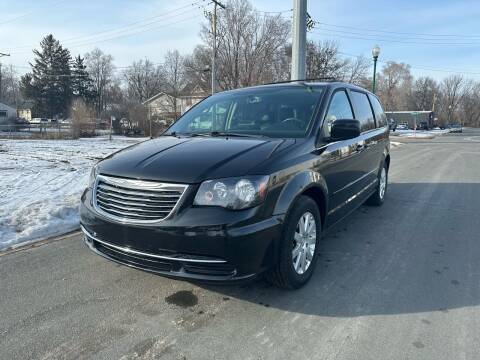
(243, 184)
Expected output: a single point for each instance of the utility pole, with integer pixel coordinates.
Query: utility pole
(214, 53)
(434, 101)
(1, 55)
(299, 40)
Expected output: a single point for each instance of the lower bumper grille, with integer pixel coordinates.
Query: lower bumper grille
(196, 266)
(129, 259)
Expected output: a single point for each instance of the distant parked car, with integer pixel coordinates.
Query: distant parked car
(392, 124)
(422, 126)
(455, 128)
(402, 127)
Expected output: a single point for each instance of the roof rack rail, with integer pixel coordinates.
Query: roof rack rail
(324, 79)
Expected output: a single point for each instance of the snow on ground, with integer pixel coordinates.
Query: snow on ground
(430, 134)
(41, 182)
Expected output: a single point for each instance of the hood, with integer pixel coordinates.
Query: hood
(193, 159)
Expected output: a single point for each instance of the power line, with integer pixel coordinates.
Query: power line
(80, 44)
(335, 33)
(120, 36)
(27, 14)
(128, 25)
(397, 32)
(274, 12)
(402, 38)
(418, 67)
(120, 30)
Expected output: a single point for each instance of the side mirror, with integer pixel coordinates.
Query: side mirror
(344, 129)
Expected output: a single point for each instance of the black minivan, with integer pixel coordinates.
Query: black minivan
(242, 184)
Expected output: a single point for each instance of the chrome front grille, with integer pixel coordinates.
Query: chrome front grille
(135, 201)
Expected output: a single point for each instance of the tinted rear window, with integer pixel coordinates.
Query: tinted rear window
(363, 110)
(380, 116)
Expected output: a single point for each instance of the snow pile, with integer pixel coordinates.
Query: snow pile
(430, 134)
(419, 135)
(41, 182)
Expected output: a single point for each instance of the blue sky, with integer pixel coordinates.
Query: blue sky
(428, 34)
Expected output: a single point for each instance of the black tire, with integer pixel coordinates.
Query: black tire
(284, 275)
(378, 198)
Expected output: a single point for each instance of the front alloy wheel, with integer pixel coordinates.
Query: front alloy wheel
(304, 242)
(298, 245)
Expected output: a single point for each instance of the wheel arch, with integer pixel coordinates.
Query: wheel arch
(308, 183)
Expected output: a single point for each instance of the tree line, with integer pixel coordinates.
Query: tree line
(252, 48)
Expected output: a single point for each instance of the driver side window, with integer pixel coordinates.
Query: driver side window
(339, 109)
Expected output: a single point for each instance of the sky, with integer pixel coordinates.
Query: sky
(436, 37)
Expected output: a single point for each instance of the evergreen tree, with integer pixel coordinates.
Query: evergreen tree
(49, 84)
(82, 83)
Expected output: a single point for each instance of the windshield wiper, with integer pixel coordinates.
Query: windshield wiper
(233, 134)
(173, 133)
(214, 134)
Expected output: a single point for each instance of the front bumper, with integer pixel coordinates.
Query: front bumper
(207, 244)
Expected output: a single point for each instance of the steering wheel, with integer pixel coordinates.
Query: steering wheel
(298, 123)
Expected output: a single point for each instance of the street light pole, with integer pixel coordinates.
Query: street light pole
(299, 40)
(214, 53)
(375, 53)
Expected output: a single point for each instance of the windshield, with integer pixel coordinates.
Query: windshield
(272, 112)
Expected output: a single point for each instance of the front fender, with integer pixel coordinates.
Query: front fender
(296, 186)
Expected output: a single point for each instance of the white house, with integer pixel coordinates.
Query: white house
(7, 112)
(161, 106)
(190, 95)
(24, 110)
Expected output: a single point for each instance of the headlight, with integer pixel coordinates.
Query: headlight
(232, 193)
(93, 176)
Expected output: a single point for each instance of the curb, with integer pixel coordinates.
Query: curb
(37, 243)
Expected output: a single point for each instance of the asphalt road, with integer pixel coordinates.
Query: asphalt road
(397, 282)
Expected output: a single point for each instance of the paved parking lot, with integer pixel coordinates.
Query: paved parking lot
(397, 282)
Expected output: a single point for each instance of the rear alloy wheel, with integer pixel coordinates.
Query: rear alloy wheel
(378, 197)
(298, 246)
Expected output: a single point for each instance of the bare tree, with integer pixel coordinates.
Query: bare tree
(248, 45)
(394, 83)
(174, 79)
(356, 71)
(422, 93)
(470, 104)
(452, 92)
(138, 117)
(100, 67)
(82, 119)
(197, 67)
(144, 80)
(323, 60)
(10, 86)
